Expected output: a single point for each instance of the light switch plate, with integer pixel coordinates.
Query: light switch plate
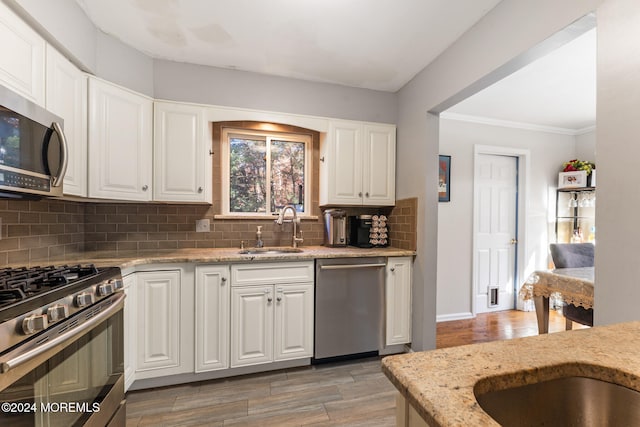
(203, 225)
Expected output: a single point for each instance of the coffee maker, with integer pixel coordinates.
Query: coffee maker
(368, 231)
(335, 225)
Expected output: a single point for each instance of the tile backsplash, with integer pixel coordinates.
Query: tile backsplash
(403, 226)
(39, 230)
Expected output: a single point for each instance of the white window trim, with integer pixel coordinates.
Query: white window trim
(308, 169)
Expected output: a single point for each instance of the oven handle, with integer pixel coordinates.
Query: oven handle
(117, 304)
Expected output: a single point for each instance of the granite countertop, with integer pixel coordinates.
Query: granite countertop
(440, 383)
(211, 255)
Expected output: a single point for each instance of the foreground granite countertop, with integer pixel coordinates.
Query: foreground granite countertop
(440, 383)
(211, 255)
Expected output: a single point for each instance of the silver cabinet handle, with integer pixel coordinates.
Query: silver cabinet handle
(145, 187)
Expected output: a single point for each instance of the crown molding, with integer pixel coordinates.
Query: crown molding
(515, 125)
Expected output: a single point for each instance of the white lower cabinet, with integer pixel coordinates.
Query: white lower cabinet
(165, 304)
(251, 325)
(271, 317)
(293, 325)
(212, 317)
(398, 300)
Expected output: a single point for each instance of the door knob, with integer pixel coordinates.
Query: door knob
(513, 241)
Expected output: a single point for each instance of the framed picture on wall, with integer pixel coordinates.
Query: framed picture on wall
(444, 179)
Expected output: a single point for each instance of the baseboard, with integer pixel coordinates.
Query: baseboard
(454, 316)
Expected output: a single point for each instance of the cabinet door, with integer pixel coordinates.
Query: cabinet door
(158, 321)
(182, 160)
(293, 330)
(120, 145)
(130, 329)
(251, 325)
(379, 166)
(212, 318)
(343, 164)
(67, 98)
(22, 61)
(398, 300)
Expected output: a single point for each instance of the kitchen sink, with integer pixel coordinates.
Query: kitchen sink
(568, 401)
(270, 251)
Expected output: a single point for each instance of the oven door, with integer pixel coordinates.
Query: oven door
(70, 376)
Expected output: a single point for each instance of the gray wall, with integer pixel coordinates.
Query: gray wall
(510, 29)
(217, 86)
(547, 151)
(66, 25)
(617, 129)
(586, 146)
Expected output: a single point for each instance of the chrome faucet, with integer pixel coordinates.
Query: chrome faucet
(295, 239)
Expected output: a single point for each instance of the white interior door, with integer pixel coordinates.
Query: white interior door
(495, 227)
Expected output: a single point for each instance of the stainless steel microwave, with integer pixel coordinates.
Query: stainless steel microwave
(33, 149)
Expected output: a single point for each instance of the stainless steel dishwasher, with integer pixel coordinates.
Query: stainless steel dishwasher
(349, 315)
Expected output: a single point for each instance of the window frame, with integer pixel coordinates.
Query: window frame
(225, 152)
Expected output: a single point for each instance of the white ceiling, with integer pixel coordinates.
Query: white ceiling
(556, 92)
(373, 44)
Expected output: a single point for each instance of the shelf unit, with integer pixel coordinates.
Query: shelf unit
(575, 212)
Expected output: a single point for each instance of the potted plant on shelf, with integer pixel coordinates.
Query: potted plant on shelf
(577, 173)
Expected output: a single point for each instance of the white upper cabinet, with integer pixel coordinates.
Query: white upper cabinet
(379, 166)
(23, 55)
(182, 159)
(358, 164)
(120, 142)
(67, 97)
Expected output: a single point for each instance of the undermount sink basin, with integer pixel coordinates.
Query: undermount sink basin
(569, 401)
(270, 251)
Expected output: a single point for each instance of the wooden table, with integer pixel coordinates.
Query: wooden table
(574, 285)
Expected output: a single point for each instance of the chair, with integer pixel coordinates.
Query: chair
(572, 255)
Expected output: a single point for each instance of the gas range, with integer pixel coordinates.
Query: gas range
(32, 299)
(62, 342)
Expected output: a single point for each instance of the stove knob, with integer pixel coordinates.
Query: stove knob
(84, 299)
(57, 312)
(34, 323)
(117, 284)
(105, 289)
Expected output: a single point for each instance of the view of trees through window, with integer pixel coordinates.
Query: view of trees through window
(266, 173)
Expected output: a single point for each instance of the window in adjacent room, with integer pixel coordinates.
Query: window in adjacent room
(265, 171)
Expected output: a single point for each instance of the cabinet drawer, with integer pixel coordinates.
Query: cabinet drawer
(271, 273)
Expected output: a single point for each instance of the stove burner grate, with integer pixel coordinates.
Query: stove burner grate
(20, 283)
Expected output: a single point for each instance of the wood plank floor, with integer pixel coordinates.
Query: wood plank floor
(353, 393)
(501, 325)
